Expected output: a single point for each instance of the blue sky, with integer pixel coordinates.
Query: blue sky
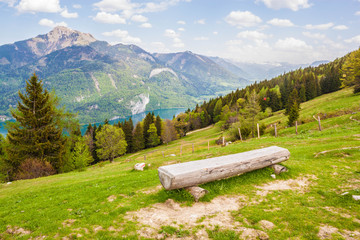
(260, 31)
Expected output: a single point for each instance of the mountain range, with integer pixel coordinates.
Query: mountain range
(100, 81)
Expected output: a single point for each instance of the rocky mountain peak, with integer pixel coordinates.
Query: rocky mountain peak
(58, 38)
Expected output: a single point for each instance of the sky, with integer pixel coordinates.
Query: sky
(256, 31)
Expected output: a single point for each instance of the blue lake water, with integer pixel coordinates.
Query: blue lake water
(163, 113)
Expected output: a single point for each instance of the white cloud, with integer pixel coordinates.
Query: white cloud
(49, 6)
(324, 26)
(114, 5)
(123, 35)
(77, 6)
(292, 44)
(171, 33)
(181, 29)
(340, 27)
(104, 17)
(201, 38)
(294, 5)
(66, 14)
(242, 19)
(252, 35)
(215, 33)
(355, 39)
(181, 22)
(178, 43)
(49, 23)
(146, 25)
(280, 22)
(139, 18)
(357, 13)
(314, 35)
(200, 21)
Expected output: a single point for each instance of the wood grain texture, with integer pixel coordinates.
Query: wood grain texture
(202, 171)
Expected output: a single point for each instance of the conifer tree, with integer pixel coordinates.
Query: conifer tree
(252, 109)
(149, 119)
(158, 124)
(37, 132)
(138, 139)
(128, 129)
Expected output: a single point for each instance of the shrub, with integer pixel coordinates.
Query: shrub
(33, 168)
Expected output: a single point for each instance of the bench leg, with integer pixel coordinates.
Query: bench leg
(278, 169)
(197, 192)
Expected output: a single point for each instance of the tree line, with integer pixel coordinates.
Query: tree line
(45, 139)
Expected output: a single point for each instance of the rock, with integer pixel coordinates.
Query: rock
(345, 193)
(139, 166)
(273, 176)
(9, 183)
(356, 197)
(266, 224)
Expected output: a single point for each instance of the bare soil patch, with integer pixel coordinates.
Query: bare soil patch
(208, 215)
(17, 230)
(299, 184)
(327, 232)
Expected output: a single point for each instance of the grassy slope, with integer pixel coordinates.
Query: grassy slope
(42, 205)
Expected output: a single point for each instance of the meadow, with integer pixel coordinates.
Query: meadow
(313, 200)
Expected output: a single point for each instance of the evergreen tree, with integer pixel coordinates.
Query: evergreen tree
(158, 124)
(149, 119)
(128, 129)
(37, 132)
(293, 113)
(217, 110)
(293, 98)
(138, 138)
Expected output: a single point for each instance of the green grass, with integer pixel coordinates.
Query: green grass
(48, 206)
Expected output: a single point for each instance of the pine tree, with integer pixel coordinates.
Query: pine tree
(217, 110)
(293, 113)
(138, 139)
(128, 129)
(149, 119)
(158, 125)
(37, 132)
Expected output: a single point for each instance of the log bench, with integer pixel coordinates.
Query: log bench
(190, 174)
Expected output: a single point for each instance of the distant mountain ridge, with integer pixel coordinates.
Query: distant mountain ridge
(99, 80)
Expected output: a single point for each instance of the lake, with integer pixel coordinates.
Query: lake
(163, 113)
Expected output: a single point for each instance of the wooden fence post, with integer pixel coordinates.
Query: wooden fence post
(145, 157)
(223, 143)
(275, 130)
(319, 123)
(296, 130)
(163, 153)
(208, 145)
(240, 134)
(258, 130)
(180, 150)
(193, 148)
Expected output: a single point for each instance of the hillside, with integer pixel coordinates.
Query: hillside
(100, 81)
(313, 200)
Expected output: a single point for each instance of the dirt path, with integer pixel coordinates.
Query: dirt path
(198, 130)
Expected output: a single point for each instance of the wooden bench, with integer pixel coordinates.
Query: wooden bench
(193, 173)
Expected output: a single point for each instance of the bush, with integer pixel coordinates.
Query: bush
(34, 168)
(234, 131)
